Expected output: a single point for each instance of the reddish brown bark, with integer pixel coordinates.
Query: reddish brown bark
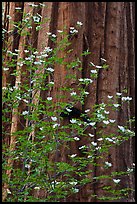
(108, 32)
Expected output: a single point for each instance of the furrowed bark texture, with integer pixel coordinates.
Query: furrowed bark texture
(107, 32)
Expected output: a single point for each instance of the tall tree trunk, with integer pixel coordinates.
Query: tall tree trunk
(107, 32)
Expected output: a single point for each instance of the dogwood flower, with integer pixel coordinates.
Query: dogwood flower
(116, 180)
(91, 135)
(103, 59)
(69, 110)
(110, 96)
(108, 164)
(118, 94)
(116, 105)
(106, 122)
(99, 67)
(109, 139)
(121, 128)
(37, 188)
(25, 112)
(94, 143)
(82, 147)
(73, 155)
(73, 93)
(8, 191)
(50, 69)
(93, 71)
(73, 121)
(5, 68)
(54, 118)
(76, 138)
(92, 123)
(112, 121)
(86, 111)
(49, 98)
(53, 35)
(100, 139)
(56, 125)
(79, 23)
(126, 98)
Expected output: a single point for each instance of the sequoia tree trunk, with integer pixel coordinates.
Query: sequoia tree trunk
(107, 32)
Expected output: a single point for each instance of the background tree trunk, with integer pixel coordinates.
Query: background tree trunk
(107, 32)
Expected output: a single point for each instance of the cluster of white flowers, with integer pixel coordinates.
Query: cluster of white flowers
(91, 135)
(27, 166)
(76, 138)
(108, 164)
(79, 23)
(110, 96)
(106, 122)
(73, 93)
(53, 35)
(97, 66)
(73, 121)
(126, 98)
(69, 110)
(5, 68)
(121, 128)
(86, 92)
(109, 139)
(93, 71)
(49, 98)
(86, 80)
(26, 51)
(92, 123)
(50, 69)
(12, 53)
(37, 18)
(86, 111)
(73, 155)
(8, 191)
(73, 30)
(103, 59)
(25, 112)
(100, 139)
(37, 63)
(30, 58)
(56, 125)
(94, 143)
(116, 105)
(82, 147)
(54, 118)
(60, 31)
(47, 49)
(116, 181)
(37, 188)
(118, 94)
(111, 120)
(51, 82)
(18, 8)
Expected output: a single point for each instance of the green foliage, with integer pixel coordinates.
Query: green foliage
(38, 163)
